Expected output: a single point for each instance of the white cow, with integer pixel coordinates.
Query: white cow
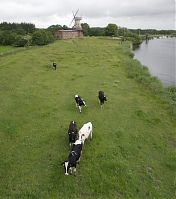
(85, 132)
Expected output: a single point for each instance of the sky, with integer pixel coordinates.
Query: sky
(144, 14)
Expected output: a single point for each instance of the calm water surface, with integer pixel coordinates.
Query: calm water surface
(159, 56)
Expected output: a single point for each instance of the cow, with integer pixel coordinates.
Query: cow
(85, 132)
(54, 65)
(72, 132)
(102, 98)
(73, 158)
(79, 102)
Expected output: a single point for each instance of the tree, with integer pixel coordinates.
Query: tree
(111, 30)
(65, 27)
(7, 38)
(19, 28)
(42, 37)
(97, 31)
(54, 28)
(85, 28)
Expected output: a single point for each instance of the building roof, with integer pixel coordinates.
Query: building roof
(69, 30)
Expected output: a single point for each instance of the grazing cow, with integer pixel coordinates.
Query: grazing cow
(79, 102)
(72, 132)
(102, 98)
(54, 65)
(85, 132)
(73, 158)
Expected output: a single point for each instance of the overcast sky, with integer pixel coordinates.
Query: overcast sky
(158, 14)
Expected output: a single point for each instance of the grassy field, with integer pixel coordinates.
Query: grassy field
(132, 153)
(4, 50)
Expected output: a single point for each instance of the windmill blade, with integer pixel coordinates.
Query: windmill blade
(76, 13)
(71, 22)
(73, 14)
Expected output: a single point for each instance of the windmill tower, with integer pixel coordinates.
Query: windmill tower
(75, 32)
(77, 24)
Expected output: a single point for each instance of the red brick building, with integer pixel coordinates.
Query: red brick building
(69, 34)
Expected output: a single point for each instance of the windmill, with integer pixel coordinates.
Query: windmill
(77, 20)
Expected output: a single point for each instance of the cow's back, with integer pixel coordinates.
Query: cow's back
(86, 129)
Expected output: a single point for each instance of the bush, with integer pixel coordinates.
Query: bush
(172, 93)
(20, 41)
(111, 30)
(7, 38)
(141, 74)
(42, 37)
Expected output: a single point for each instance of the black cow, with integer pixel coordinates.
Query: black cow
(73, 158)
(72, 132)
(102, 98)
(54, 65)
(79, 102)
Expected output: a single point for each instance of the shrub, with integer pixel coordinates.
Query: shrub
(7, 38)
(42, 37)
(20, 41)
(172, 93)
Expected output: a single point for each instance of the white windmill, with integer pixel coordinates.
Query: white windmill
(77, 24)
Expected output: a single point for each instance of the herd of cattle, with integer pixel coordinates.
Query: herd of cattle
(77, 138)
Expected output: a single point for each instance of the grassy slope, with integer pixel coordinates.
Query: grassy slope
(132, 151)
(7, 50)
(4, 49)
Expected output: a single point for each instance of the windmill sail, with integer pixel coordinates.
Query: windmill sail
(77, 21)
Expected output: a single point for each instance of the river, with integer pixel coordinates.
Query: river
(159, 56)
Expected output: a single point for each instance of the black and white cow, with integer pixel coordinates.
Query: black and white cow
(102, 98)
(72, 132)
(79, 102)
(73, 158)
(54, 65)
(85, 132)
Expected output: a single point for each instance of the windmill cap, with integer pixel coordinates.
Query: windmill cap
(78, 18)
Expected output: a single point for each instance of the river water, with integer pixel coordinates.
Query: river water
(159, 55)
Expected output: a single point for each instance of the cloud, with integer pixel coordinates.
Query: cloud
(127, 13)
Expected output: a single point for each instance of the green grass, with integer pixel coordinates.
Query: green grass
(7, 50)
(132, 154)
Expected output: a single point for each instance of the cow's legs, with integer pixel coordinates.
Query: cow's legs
(91, 135)
(79, 159)
(74, 170)
(79, 109)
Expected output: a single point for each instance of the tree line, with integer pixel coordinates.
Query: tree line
(112, 30)
(23, 34)
(26, 34)
(154, 32)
